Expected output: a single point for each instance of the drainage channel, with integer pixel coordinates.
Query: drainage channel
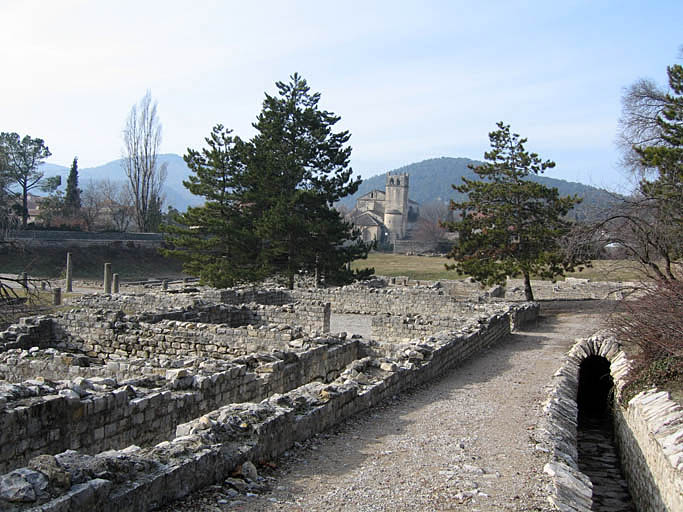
(598, 457)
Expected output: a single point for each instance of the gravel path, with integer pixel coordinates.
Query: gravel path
(460, 443)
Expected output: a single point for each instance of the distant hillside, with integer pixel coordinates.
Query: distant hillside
(176, 194)
(431, 180)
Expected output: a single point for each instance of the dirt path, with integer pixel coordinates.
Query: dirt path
(460, 443)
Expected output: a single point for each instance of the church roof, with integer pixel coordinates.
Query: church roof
(366, 219)
(379, 194)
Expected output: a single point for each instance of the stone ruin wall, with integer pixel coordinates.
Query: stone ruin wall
(100, 414)
(207, 449)
(403, 296)
(141, 377)
(226, 331)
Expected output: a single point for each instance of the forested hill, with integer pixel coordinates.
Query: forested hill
(431, 180)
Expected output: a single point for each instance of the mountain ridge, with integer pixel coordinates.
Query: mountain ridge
(430, 180)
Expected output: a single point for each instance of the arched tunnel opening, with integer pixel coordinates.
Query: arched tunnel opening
(595, 388)
(597, 449)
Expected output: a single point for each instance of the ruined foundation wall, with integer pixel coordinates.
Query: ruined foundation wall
(169, 300)
(374, 301)
(98, 421)
(206, 450)
(311, 315)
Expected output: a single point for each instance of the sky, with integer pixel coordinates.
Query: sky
(411, 80)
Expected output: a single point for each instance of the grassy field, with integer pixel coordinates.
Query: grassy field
(134, 264)
(433, 268)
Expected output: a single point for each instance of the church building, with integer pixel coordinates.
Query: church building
(386, 215)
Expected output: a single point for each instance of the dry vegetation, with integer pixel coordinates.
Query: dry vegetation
(651, 327)
(433, 268)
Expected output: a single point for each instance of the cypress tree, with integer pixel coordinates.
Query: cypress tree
(72, 199)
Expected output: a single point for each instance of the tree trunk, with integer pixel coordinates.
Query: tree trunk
(528, 294)
(24, 204)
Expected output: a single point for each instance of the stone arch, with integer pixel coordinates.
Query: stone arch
(600, 359)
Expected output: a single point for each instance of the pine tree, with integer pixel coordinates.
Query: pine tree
(269, 202)
(298, 168)
(216, 241)
(72, 199)
(510, 226)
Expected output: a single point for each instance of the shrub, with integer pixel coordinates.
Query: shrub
(652, 324)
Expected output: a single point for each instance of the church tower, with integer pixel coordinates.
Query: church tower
(396, 205)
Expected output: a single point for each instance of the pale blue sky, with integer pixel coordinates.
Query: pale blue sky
(411, 80)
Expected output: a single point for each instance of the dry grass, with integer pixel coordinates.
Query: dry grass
(433, 268)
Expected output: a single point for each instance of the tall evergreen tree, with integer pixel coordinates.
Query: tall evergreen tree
(666, 157)
(72, 198)
(298, 168)
(216, 241)
(510, 226)
(269, 202)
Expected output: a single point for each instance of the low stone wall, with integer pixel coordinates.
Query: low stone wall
(523, 314)
(401, 328)
(176, 339)
(208, 449)
(158, 301)
(358, 299)
(649, 433)
(42, 417)
(570, 289)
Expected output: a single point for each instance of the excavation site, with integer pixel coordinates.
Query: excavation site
(388, 394)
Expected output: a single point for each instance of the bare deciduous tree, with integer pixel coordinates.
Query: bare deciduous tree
(91, 204)
(106, 204)
(118, 204)
(142, 138)
(429, 226)
(641, 105)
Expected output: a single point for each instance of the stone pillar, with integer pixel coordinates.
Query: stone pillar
(57, 296)
(327, 312)
(107, 278)
(69, 274)
(115, 283)
(24, 280)
(164, 284)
